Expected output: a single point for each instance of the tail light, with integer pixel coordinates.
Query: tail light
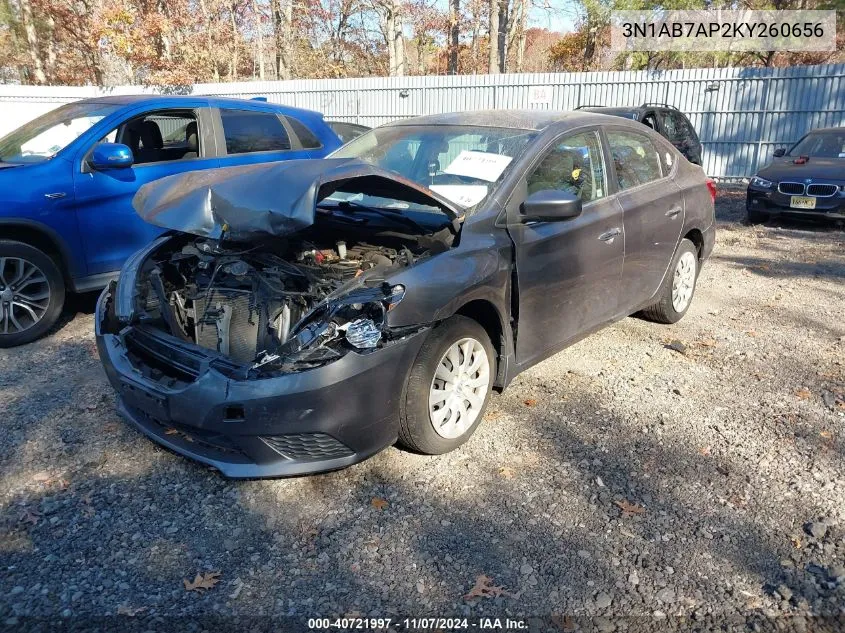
(711, 187)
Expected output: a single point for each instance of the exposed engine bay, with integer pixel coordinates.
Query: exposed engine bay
(284, 304)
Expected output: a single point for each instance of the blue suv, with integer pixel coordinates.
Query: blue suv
(67, 180)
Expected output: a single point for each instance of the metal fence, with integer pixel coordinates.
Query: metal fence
(741, 114)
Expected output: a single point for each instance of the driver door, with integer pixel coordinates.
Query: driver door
(568, 272)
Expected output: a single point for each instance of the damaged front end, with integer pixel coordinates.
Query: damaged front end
(278, 286)
(281, 306)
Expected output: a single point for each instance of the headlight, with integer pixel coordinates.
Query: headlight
(756, 181)
(363, 333)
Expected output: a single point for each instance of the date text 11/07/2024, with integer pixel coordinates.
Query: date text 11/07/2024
(416, 624)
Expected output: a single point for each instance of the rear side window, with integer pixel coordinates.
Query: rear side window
(306, 137)
(248, 131)
(635, 158)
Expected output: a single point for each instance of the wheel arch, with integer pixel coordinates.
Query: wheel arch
(41, 237)
(697, 238)
(485, 313)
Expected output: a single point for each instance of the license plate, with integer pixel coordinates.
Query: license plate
(147, 401)
(802, 202)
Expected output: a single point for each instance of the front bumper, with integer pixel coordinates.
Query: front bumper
(774, 203)
(311, 421)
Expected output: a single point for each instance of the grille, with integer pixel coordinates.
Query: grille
(308, 446)
(821, 191)
(189, 436)
(791, 188)
(157, 360)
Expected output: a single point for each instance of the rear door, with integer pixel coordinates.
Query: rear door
(163, 142)
(568, 272)
(653, 209)
(248, 136)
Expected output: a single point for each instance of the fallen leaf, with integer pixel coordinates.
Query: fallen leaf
(529, 402)
(130, 611)
(492, 415)
(704, 450)
(803, 393)
(378, 503)
(171, 432)
(111, 427)
(751, 333)
(708, 342)
(506, 472)
(42, 477)
(796, 542)
(629, 508)
(484, 588)
(202, 581)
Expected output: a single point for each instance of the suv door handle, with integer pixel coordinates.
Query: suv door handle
(673, 212)
(609, 235)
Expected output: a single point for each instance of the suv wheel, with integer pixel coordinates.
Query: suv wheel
(448, 387)
(678, 288)
(32, 293)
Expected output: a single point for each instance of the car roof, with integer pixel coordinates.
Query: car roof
(832, 130)
(515, 119)
(176, 100)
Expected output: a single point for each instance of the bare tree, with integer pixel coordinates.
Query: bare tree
(493, 36)
(454, 35)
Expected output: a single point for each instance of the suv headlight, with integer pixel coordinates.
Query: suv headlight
(756, 181)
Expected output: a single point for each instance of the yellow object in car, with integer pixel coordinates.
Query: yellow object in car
(576, 174)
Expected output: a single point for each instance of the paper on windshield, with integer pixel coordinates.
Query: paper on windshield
(481, 165)
(464, 195)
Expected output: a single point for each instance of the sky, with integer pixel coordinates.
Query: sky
(558, 17)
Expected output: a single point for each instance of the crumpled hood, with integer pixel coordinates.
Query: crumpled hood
(268, 198)
(819, 169)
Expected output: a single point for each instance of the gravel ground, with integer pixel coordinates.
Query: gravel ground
(691, 470)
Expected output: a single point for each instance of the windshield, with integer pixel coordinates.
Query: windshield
(464, 164)
(44, 137)
(821, 145)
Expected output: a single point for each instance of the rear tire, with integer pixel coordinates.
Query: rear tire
(678, 289)
(448, 388)
(32, 293)
(757, 217)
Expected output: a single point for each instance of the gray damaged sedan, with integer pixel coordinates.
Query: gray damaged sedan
(302, 316)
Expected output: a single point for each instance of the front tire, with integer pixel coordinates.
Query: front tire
(676, 293)
(32, 293)
(448, 388)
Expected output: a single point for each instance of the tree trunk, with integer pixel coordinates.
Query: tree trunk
(454, 35)
(282, 19)
(502, 35)
(32, 42)
(259, 39)
(493, 36)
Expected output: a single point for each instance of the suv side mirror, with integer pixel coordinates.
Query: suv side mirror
(779, 152)
(111, 156)
(551, 206)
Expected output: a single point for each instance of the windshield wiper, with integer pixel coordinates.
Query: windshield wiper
(396, 215)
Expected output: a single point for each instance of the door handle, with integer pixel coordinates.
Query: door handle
(608, 236)
(673, 212)
(55, 196)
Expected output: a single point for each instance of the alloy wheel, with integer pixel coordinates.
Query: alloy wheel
(459, 388)
(24, 295)
(683, 283)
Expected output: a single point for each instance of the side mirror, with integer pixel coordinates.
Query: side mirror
(111, 156)
(551, 206)
(779, 152)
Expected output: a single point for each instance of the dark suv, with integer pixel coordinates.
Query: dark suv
(670, 122)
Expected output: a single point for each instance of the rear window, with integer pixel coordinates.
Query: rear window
(248, 131)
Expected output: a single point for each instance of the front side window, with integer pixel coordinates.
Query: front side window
(574, 165)
(464, 164)
(249, 131)
(635, 159)
(46, 136)
(159, 136)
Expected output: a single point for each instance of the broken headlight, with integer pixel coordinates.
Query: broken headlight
(363, 333)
